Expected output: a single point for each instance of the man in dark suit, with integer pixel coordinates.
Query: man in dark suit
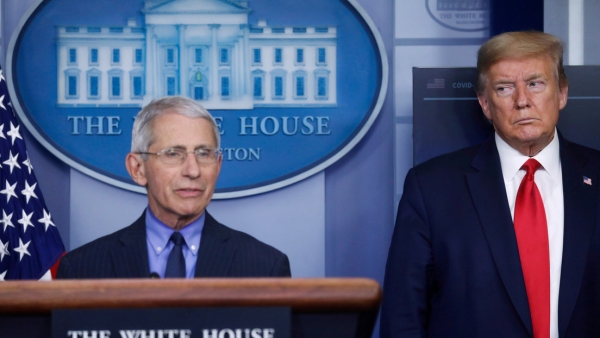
(502, 239)
(176, 155)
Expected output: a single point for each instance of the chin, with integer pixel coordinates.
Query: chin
(531, 135)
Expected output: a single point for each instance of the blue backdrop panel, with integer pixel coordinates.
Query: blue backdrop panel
(447, 116)
(516, 15)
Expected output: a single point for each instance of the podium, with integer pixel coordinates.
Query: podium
(320, 307)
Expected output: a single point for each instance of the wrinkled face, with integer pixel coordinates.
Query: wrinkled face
(177, 194)
(522, 99)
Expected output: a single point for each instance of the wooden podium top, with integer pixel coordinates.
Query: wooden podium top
(302, 295)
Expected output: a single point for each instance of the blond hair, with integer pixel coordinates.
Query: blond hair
(519, 45)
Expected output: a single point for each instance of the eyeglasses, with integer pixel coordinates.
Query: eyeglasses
(175, 156)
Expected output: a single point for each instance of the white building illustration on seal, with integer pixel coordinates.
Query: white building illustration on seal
(202, 49)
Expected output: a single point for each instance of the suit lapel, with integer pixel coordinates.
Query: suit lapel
(216, 250)
(489, 197)
(130, 259)
(579, 202)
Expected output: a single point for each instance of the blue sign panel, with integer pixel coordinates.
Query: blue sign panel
(448, 117)
(293, 85)
(460, 15)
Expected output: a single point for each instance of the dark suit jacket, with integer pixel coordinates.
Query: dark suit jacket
(453, 268)
(224, 252)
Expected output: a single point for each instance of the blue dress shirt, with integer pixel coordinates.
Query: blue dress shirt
(159, 246)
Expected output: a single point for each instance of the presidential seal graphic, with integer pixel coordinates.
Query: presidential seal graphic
(292, 85)
(460, 15)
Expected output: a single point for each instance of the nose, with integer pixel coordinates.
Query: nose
(190, 167)
(521, 97)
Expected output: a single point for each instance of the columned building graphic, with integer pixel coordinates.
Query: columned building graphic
(463, 5)
(202, 49)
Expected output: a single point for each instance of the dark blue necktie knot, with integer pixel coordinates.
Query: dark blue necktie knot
(176, 261)
(177, 238)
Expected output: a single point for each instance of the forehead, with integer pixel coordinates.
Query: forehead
(522, 68)
(172, 129)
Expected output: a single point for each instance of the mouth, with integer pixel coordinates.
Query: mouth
(189, 192)
(525, 120)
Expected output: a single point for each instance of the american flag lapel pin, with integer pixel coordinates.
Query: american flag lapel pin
(587, 180)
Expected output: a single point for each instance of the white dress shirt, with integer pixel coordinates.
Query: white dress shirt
(549, 182)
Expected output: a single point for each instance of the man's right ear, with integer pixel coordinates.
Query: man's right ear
(483, 102)
(136, 169)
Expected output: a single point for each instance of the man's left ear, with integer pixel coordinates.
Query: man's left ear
(219, 163)
(135, 167)
(563, 94)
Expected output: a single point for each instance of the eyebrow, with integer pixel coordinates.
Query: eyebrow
(527, 79)
(204, 146)
(201, 146)
(501, 82)
(534, 77)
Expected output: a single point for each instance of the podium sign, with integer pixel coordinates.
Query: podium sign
(217, 322)
(313, 308)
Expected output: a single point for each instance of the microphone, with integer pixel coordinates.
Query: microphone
(154, 275)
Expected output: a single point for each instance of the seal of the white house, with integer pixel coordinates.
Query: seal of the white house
(293, 85)
(460, 15)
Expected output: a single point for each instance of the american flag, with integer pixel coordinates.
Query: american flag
(30, 244)
(436, 84)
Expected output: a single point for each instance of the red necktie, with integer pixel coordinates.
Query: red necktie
(532, 238)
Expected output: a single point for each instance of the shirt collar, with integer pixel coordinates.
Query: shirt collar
(159, 233)
(512, 160)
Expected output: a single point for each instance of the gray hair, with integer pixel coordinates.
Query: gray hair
(142, 135)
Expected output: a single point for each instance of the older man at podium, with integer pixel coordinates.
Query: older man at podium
(176, 155)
